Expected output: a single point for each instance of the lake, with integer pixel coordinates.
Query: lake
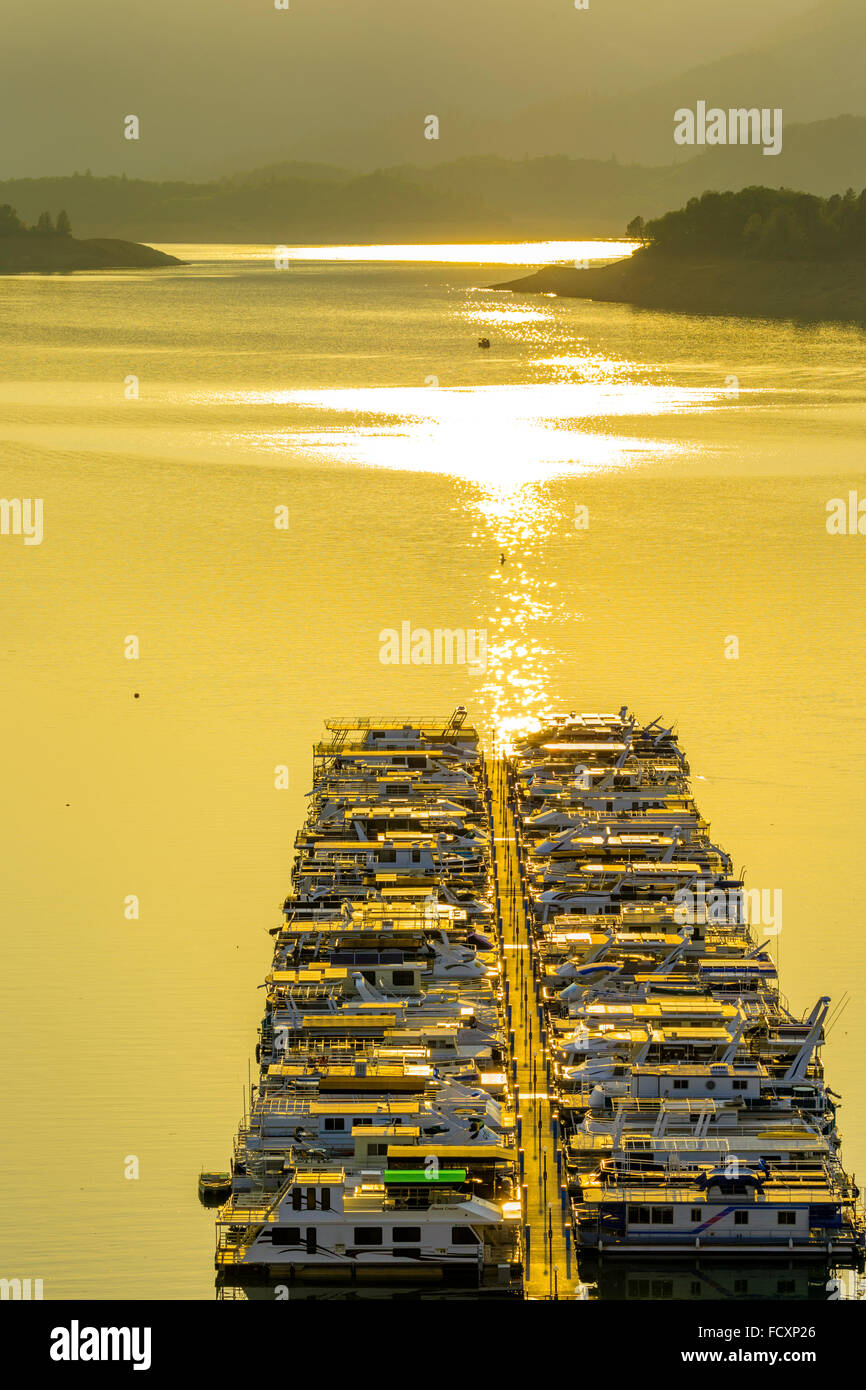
(610, 495)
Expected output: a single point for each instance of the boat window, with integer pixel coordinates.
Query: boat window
(311, 1199)
(334, 1122)
(639, 1215)
(741, 1218)
(739, 1084)
(368, 1235)
(786, 1286)
(297, 1198)
(463, 1235)
(680, 1084)
(377, 1150)
(311, 1240)
(403, 977)
(287, 1235)
(696, 1214)
(662, 1216)
(402, 1235)
(787, 1218)
(326, 1199)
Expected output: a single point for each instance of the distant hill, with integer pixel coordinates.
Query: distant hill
(285, 170)
(474, 199)
(818, 158)
(481, 198)
(811, 67)
(350, 85)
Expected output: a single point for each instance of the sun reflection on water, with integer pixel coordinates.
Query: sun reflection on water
(499, 436)
(577, 412)
(491, 253)
(504, 444)
(523, 600)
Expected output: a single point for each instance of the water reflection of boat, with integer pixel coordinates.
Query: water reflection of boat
(680, 1280)
(270, 1291)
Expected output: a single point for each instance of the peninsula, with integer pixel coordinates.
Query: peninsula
(48, 247)
(765, 253)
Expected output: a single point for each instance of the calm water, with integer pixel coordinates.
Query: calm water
(353, 393)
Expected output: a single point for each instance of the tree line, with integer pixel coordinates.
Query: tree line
(44, 226)
(762, 223)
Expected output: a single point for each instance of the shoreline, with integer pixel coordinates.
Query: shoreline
(22, 255)
(807, 290)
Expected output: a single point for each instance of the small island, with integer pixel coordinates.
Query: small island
(760, 253)
(48, 247)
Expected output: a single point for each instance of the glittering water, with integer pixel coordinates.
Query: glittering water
(609, 495)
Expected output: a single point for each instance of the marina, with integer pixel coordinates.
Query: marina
(517, 1027)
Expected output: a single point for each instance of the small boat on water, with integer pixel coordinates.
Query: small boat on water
(213, 1188)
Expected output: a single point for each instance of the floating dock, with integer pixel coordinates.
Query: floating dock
(516, 1020)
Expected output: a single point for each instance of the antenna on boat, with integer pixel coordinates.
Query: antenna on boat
(837, 1013)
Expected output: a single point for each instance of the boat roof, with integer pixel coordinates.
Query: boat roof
(710, 1069)
(468, 1151)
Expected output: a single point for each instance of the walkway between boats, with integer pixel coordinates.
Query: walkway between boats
(549, 1266)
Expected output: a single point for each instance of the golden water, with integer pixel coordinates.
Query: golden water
(352, 392)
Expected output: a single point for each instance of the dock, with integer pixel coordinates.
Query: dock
(517, 1026)
(548, 1264)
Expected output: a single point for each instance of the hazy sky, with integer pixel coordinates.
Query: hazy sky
(224, 84)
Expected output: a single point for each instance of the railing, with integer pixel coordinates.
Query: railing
(416, 1199)
(686, 1191)
(785, 1237)
(398, 721)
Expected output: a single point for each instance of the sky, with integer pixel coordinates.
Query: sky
(220, 85)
